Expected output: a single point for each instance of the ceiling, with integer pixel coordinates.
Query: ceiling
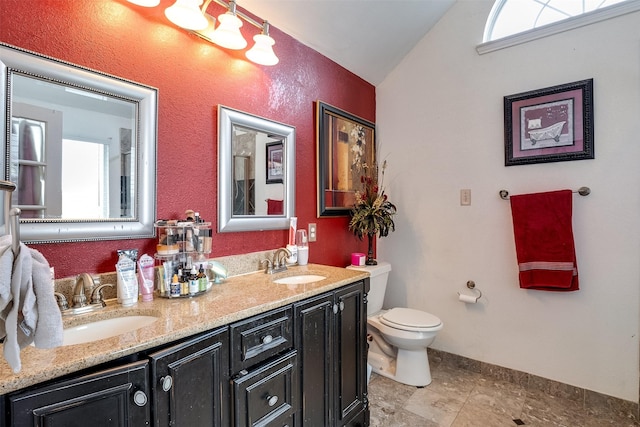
(367, 37)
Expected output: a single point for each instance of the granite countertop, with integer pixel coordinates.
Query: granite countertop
(239, 297)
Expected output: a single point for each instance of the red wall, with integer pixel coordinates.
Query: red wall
(193, 77)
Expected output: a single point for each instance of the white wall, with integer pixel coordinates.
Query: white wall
(440, 126)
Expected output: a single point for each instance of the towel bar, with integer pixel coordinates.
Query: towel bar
(583, 191)
(11, 216)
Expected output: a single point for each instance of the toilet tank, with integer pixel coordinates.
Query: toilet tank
(379, 275)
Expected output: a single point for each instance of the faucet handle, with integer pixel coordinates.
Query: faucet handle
(269, 265)
(61, 300)
(96, 295)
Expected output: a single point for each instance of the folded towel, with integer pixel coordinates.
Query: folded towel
(275, 207)
(48, 333)
(28, 309)
(544, 241)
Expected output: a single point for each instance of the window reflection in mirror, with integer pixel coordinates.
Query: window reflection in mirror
(68, 143)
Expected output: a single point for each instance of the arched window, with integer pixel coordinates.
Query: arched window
(516, 21)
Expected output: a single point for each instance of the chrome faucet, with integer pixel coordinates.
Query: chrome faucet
(280, 259)
(84, 283)
(279, 262)
(79, 298)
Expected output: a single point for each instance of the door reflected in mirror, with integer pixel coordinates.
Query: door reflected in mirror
(253, 159)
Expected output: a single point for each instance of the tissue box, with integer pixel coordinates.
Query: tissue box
(357, 259)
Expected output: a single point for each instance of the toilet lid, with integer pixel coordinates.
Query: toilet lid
(409, 319)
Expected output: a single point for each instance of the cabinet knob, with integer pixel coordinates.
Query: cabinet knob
(267, 339)
(140, 398)
(272, 400)
(166, 382)
(341, 305)
(335, 308)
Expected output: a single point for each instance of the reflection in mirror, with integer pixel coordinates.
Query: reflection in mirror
(256, 167)
(73, 132)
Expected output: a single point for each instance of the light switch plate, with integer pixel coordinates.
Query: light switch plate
(465, 197)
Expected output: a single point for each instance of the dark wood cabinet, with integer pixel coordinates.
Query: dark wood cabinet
(330, 333)
(190, 382)
(268, 394)
(303, 364)
(108, 398)
(264, 370)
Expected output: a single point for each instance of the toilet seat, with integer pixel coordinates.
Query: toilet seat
(409, 319)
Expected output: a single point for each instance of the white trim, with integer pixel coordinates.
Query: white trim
(574, 22)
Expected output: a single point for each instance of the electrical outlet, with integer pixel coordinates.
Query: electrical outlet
(465, 197)
(312, 232)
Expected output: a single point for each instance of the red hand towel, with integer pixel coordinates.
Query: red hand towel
(275, 207)
(544, 241)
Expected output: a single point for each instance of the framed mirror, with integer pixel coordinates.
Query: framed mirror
(80, 145)
(256, 172)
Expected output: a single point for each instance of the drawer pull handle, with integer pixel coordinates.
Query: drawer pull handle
(166, 382)
(140, 398)
(272, 400)
(267, 339)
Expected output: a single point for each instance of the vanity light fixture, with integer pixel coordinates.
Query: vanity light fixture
(186, 14)
(145, 3)
(262, 52)
(189, 15)
(228, 32)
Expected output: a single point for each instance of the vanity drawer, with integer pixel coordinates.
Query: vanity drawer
(261, 337)
(266, 396)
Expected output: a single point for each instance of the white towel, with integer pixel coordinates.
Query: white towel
(28, 309)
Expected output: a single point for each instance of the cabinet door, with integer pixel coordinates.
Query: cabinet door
(267, 395)
(113, 397)
(314, 335)
(190, 382)
(351, 353)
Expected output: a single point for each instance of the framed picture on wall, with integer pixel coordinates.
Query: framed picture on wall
(343, 140)
(274, 162)
(553, 124)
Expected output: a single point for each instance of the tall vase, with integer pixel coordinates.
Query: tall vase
(370, 259)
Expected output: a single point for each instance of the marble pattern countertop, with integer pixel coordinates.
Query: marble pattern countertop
(239, 297)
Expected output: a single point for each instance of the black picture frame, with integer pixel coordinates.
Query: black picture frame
(553, 124)
(343, 139)
(274, 162)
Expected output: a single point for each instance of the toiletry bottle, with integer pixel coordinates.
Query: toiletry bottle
(184, 286)
(202, 279)
(175, 287)
(194, 286)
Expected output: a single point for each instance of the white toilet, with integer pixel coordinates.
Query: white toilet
(398, 338)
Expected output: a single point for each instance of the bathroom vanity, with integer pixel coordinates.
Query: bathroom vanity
(248, 353)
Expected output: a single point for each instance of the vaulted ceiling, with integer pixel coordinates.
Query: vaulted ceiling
(367, 37)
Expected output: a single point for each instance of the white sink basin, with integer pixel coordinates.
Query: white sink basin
(107, 328)
(299, 280)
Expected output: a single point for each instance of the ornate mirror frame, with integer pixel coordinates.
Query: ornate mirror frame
(144, 98)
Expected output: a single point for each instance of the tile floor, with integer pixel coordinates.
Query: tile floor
(462, 398)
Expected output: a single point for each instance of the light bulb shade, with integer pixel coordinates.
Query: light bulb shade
(145, 3)
(228, 32)
(262, 52)
(186, 14)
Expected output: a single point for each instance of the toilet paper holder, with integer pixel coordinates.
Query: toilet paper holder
(472, 285)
